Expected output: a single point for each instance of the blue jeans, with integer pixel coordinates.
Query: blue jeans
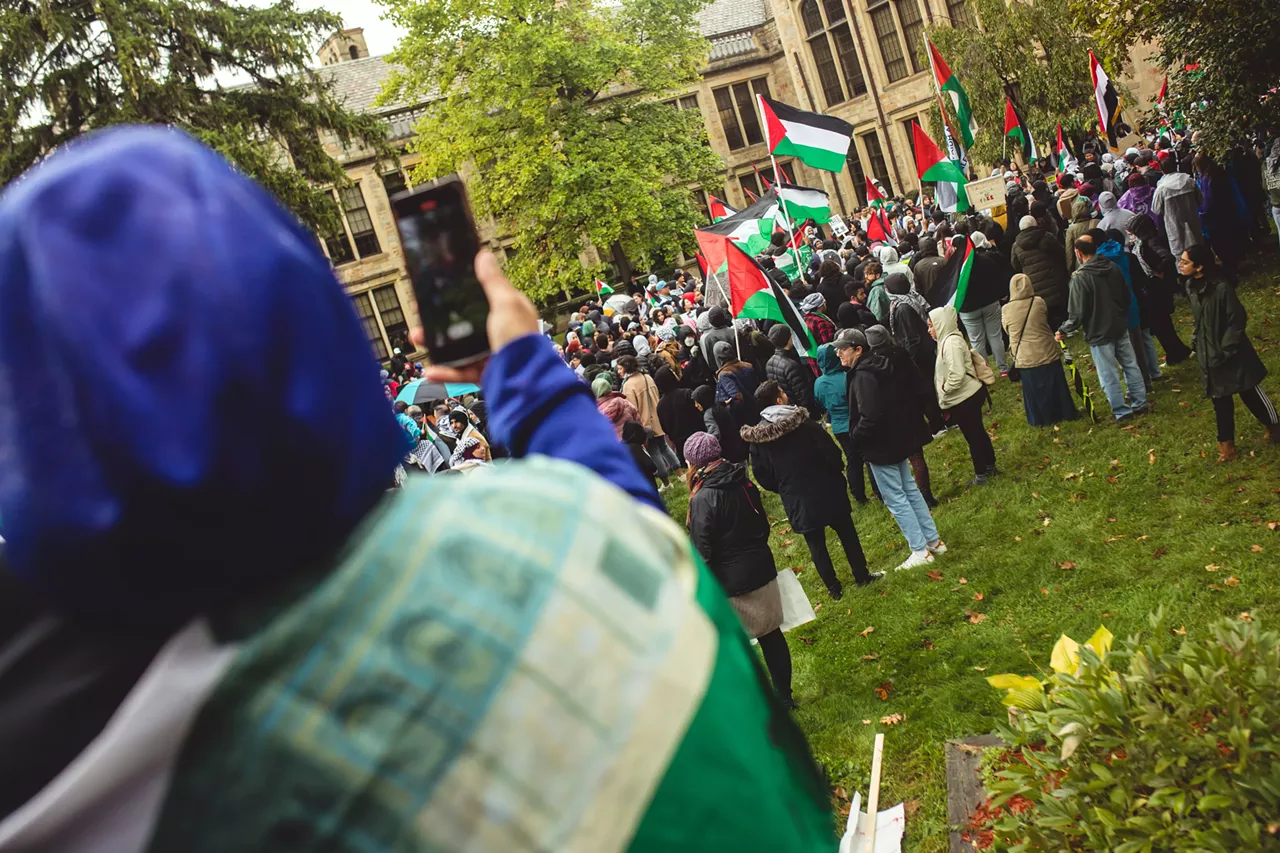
(1111, 358)
(1153, 357)
(901, 495)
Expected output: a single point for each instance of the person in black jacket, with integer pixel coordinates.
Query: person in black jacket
(730, 528)
(634, 437)
(719, 421)
(832, 283)
(886, 434)
(792, 375)
(856, 314)
(677, 414)
(795, 457)
(980, 310)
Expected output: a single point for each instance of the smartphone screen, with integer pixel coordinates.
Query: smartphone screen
(440, 246)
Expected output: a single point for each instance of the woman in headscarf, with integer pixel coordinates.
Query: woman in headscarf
(668, 350)
(612, 404)
(960, 391)
(729, 526)
(1034, 352)
(1152, 251)
(251, 641)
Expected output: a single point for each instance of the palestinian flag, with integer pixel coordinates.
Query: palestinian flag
(602, 289)
(753, 294)
(878, 226)
(946, 80)
(1104, 94)
(931, 163)
(953, 279)
(787, 261)
(719, 210)
(750, 228)
(1015, 127)
(751, 197)
(957, 200)
(1064, 160)
(817, 140)
(801, 203)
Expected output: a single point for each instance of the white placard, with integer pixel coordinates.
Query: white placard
(986, 193)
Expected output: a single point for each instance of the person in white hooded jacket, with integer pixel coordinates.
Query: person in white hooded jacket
(1177, 200)
(960, 391)
(890, 264)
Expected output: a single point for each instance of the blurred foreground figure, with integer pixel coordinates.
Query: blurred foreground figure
(218, 631)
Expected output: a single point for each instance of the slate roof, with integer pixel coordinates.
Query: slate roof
(359, 81)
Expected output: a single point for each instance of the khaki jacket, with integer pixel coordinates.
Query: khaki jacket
(643, 394)
(953, 375)
(1026, 319)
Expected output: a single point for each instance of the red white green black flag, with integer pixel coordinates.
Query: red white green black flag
(753, 294)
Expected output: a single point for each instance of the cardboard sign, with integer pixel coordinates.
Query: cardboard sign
(837, 225)
(986, 193)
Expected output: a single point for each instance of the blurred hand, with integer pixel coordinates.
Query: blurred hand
(1058, 336)
(511, 316)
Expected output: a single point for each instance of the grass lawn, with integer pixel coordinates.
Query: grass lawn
(1089, 524)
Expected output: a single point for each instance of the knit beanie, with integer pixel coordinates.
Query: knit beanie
(701, 448)
(779, 335)
(723, 351)
(877, 336)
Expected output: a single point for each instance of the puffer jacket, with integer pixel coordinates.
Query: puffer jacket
(618, 409)
(1082, 220)
(730, 528)
(953, 376)
(1026, 319)
(794, 376)
(1038, 253)
(798, 459)
(1227, 358)
(829, 389)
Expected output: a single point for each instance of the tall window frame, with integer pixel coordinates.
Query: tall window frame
(355, 212)
(879, 165)
(739, 116)
(369, 322)
(911, 21)
(960, 14)
(386, 299)
(857, 174)
(833, 50)
(885, 25)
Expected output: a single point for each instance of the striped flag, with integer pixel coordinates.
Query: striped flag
(1064, 160)
(931, 163)
(1104, 95)
(803, 203)
(753, 294)
(953, 279)
(718, 209)
(602, 289)
(1015, 127)
(816, 140)
(947, 82)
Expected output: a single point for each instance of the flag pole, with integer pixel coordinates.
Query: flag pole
(937, 90)
(782, 204)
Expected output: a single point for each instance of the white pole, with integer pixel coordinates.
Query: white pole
(782, 205)
(873, 795)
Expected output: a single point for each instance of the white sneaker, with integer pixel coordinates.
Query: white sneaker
(938, 547)
(917, 558)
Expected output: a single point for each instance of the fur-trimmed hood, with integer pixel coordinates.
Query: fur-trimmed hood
(765, 432)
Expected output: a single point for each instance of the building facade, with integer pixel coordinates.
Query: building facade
(861, 60)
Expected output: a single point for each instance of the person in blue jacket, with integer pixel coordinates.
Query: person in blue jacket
(831, 391)
(222, 630)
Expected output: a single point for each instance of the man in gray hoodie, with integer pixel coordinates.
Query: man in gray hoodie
(1113, 216)
(1099, 302)
(1177, 201)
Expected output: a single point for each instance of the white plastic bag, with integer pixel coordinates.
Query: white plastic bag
(796, 609)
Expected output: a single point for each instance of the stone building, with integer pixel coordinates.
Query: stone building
(861, 60)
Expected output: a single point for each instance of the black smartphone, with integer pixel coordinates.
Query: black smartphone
(440, 244)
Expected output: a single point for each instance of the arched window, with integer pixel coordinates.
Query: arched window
(354, 51)
(832, 47)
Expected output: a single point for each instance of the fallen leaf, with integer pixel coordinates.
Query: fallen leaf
(1044, 591)
(1178, 632)
(872, 656)
(933, 575)
(840, 794)
(1141, 538)
(848, 612)
(884, 690)
(1273, 828)
(1047, 521)
(1111, 519)
(1245, 617)
(975, 618)
(1231, 581)
(977, 596)
(817, 607)
(910, 807)
(980, 668)
(866, 722)
(1184, 404)
(891, 720)
(1115, 463)
(962, 581)
(785, 530)
(1114, 538)
(1159, 552)
(1255, 548)
(928, 645)
(1151, 457)
(1017, 539)
(1106, 615)
(797, 569)
(1066, 565)
(867, 630)
(806, 641)
(1211, 568)
(1273, 525)
(1035, 494)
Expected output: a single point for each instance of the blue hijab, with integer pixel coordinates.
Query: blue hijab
(190, 410)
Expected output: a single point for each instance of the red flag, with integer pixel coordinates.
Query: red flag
(1011, 122)
(1164, 90)
(702, 264)
(878, 227)
(750, 195)
(783, 177)
(764, 182)
(873, 192)
(931, 163)
(718, 209)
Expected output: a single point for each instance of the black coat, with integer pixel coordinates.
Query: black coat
(679, 417)
(988, 280)
(794, 376)
(1227, 358)
(799, 460)
(833, 290)
(730, 529)
(1038, 253)
(888, 391)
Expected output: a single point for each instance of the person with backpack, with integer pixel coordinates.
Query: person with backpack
(961, 384)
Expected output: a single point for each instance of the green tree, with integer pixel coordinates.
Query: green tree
(68, 67)
(1036, 51)
(559, 105)
(1222, 58)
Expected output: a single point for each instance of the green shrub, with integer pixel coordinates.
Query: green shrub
(1166, 743)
